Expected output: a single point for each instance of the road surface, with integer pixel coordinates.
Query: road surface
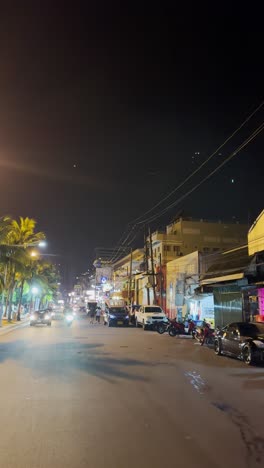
(91, 396)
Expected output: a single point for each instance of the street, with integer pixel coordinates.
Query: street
(92, 396)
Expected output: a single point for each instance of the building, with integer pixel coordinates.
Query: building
(125, 270)
(183, 237)
(236, 280)
(183, 275)
(206, 236)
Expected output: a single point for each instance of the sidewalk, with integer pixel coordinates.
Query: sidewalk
(8, 327)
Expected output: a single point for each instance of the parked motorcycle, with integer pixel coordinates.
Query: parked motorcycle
(161, 326)
(198, 334)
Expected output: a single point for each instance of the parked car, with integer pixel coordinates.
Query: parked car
(39, 317)
(243, 340)
(116, 316)
(147, 315)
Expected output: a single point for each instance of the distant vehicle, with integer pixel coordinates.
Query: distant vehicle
(147, 315)
(242, 340)
(41, 317)
(68, 319)
(57, 314)
(81, 312)
(116, 316)
(91, 307)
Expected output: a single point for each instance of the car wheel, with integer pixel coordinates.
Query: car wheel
(49, 324)
(109, 324)
(161, 329)
(31, 324)
(218, 347)
(248, 355)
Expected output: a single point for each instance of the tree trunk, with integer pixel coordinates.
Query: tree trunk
(20, 301)
(6, 305)
(9, 308)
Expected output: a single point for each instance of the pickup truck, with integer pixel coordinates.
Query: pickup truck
(147, 315)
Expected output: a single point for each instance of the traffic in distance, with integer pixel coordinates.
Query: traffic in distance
(244, 341)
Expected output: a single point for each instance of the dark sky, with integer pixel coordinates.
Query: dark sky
(128, 95)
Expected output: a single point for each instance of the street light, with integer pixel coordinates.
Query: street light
(34, 290)
(33, 253)
(42, 244)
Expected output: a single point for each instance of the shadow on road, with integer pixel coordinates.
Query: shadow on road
(62, 360)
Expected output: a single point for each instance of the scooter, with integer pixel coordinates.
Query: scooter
(69, 319)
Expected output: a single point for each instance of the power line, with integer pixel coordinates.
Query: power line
(201, 165)
(234, 153)
(133, 224)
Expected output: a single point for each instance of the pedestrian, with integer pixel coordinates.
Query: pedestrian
(98, 314)
(206, 333)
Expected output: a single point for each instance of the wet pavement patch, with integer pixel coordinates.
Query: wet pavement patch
(197, 381)
(222, 406)
(254, 443)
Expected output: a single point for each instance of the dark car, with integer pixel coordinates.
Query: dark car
(242, 340)
(42, 316)
(116, 316)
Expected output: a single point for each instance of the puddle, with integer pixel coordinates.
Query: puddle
(197, 381)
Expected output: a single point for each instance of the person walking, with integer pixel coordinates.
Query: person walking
(98, 314)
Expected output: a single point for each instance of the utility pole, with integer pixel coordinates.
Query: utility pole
(146, 263)
(130, 278)
(161, 282)
(152, 269)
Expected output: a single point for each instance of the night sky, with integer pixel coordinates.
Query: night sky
(103, 107)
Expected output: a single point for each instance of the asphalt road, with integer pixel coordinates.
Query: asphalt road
(90, 396)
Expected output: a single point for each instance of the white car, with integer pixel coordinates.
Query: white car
(147, 315)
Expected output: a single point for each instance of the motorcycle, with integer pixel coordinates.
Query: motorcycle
(161, 326)
(176, 328)
(198, 334)
(69, 319)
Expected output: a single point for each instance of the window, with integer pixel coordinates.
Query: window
(155, 252)
(176, 249)
(158, 249)
(206, 249)
(167, 248)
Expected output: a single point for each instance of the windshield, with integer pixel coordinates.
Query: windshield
(117, 310)
(251, 329)
(156, 310)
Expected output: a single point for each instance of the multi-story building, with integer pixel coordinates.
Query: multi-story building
(183, 237)
(123, 279)
(206, 236)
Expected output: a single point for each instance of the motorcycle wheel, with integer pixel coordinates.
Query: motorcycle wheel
(173, 332)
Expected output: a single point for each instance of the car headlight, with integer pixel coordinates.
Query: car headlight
(32, 317)
(127, 317)
(69, 318)
(148, 320)
(111, 316)
(47, 316)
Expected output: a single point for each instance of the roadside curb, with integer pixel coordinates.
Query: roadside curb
(9, 329)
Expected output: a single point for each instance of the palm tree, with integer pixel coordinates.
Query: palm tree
(22, 233)
(15, 236)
